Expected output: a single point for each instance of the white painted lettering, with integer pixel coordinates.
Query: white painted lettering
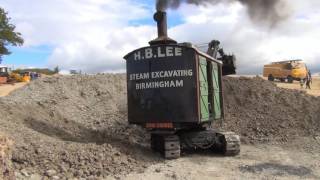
(178, 51)
(148, 53)
(179, 83)
(169, 51)
(160, 54)
(137, 56)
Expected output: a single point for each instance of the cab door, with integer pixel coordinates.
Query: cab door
(203, 89)
(217, 93)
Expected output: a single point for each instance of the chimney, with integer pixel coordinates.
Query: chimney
(161, 19)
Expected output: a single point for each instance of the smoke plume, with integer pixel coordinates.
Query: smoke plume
(260, 11)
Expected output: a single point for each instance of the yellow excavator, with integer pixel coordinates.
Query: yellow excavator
(22, 77)
(6, 76)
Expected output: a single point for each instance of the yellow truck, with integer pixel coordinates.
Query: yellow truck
(286, 71)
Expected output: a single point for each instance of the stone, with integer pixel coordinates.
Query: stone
(158, 170)
(51, 172)
(24, 173)
(35, 177)
(55, 177)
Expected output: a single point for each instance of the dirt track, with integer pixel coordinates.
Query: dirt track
(75, 126)
(6, 89)
(315, 86)
(255, 162)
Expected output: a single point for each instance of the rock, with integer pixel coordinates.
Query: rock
(55, 177)
(79, 173)
(174, 176)
(18, 175)
(63, 168)
(24, 173)
(157, 170)
(51, 172)
(35, 177)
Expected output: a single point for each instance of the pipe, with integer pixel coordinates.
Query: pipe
(161, 18)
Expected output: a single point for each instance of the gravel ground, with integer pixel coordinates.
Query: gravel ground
(76, 126)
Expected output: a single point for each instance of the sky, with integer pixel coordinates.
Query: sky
(94, 35)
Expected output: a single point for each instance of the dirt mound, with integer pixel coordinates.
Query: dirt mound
(74, 126)
(260, 111)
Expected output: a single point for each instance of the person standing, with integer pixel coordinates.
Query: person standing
(309, 80)
(302, 83)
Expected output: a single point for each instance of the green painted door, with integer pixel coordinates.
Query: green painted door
(216, 92)
(203, 83)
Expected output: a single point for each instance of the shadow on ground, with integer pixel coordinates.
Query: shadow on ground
(277, 169)
(76, 132)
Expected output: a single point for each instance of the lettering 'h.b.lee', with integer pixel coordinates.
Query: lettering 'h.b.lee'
(161, 52)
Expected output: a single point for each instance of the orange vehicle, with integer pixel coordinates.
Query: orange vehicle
(286, 71)
(7, 76)
(4, 74)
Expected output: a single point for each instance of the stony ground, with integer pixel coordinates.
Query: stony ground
(76, 127)
(262, 161)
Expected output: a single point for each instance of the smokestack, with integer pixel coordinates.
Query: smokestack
(161, 18)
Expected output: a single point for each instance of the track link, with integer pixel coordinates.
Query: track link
(226, 143)
(229, 143)
(167, 145)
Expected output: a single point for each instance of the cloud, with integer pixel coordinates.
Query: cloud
(254, 45)
(103, 54)
(94, 35)
(91, 35)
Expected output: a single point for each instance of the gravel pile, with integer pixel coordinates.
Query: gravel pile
(76, 126)
(260, 111)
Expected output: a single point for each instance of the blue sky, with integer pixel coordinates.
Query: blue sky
(94, 35)
(28, 57)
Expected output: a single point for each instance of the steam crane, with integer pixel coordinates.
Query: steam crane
(228, 61)
(175, 92)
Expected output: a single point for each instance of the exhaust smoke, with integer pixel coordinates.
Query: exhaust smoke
(260, 11)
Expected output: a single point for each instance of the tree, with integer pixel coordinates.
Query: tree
(8, 36)
(56, 70)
